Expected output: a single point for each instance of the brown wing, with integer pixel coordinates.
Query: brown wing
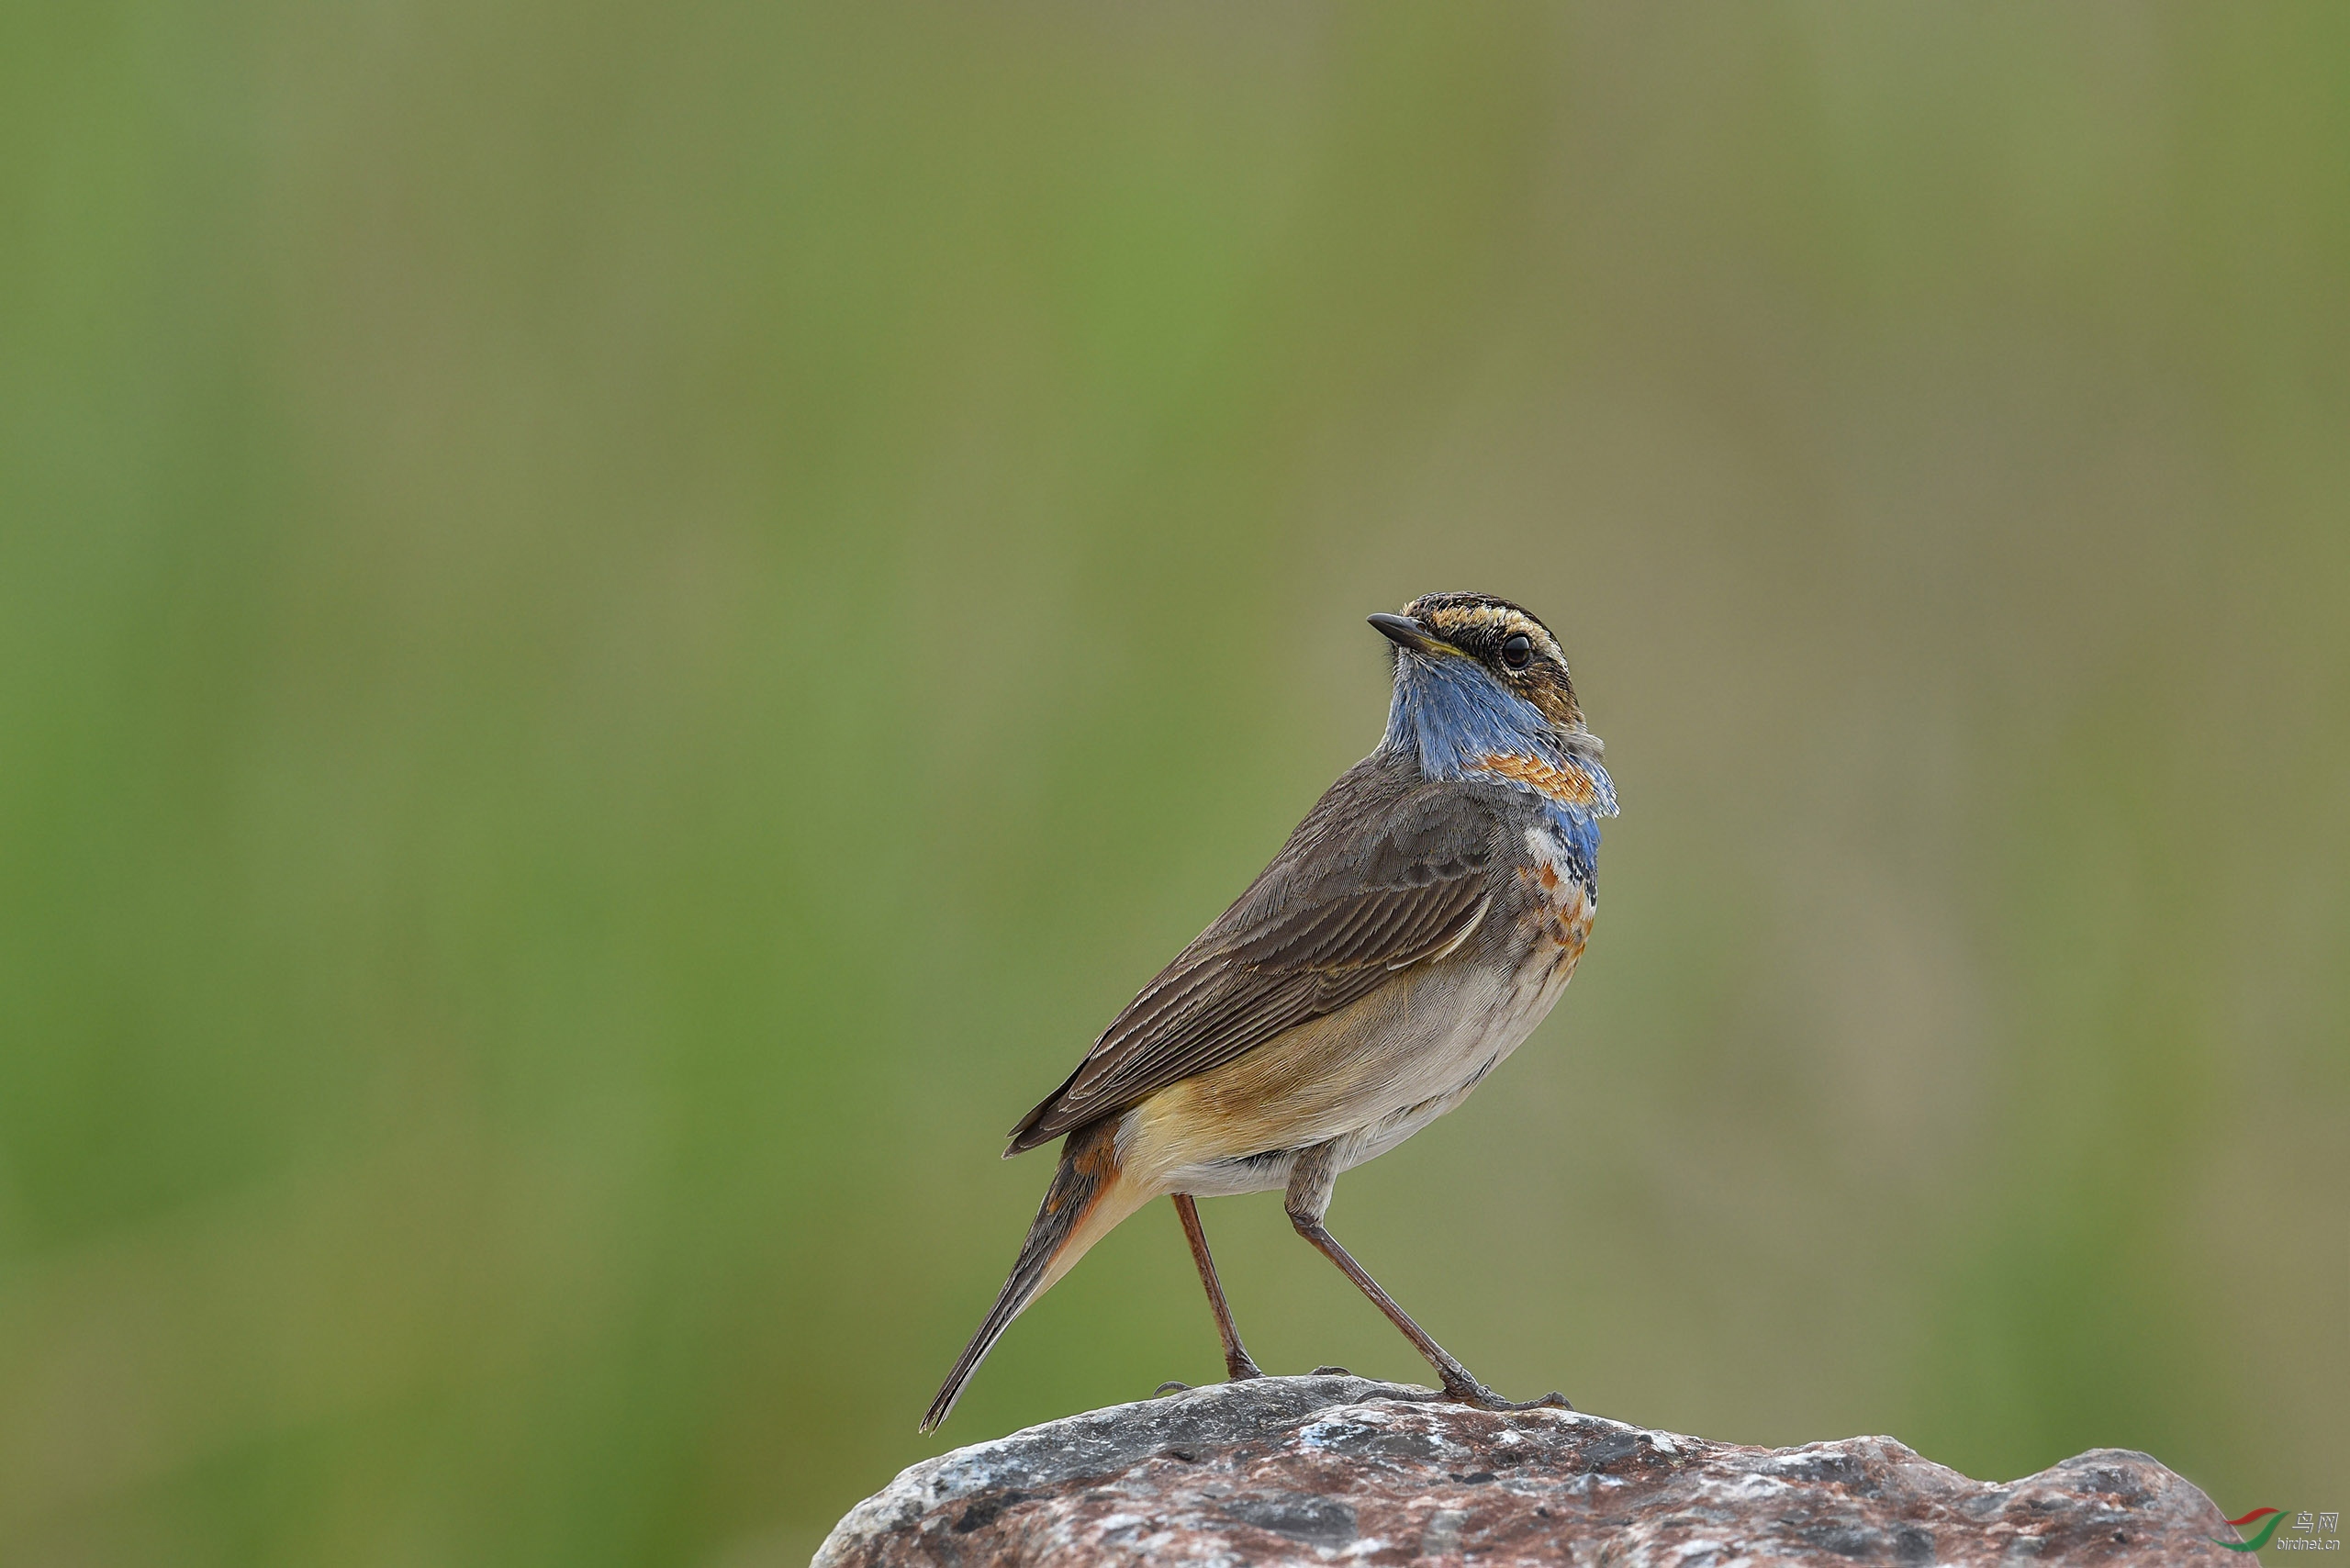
(1329, 922)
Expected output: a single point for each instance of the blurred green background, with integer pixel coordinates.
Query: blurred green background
(622, 627)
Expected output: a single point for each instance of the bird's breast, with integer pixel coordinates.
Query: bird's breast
(1555, 911)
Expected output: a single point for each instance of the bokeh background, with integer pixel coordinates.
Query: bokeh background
(622, 627)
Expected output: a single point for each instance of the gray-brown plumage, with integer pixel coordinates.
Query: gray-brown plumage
(1386, 870)
(1412, 931)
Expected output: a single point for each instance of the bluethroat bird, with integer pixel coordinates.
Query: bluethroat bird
(1417, 925)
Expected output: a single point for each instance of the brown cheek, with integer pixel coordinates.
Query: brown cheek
(1557, 706)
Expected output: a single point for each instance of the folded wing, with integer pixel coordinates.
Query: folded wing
(1326, 924)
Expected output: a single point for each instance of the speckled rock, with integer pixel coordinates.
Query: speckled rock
(1342, 1469)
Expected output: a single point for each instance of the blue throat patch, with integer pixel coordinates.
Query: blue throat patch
(1461, 722)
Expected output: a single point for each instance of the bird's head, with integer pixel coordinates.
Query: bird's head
(1477, 676)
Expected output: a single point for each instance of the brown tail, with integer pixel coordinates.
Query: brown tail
(1084, 1201)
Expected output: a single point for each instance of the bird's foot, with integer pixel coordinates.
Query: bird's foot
(1468, 1391)
(1239, 1368)
(1331, 1371)
(1169, 1386)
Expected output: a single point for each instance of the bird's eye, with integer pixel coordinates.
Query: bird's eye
(1517, 650)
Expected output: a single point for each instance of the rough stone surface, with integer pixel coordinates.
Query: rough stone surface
(1342, 1469)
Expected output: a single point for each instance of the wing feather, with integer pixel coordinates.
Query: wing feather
(1336, 916)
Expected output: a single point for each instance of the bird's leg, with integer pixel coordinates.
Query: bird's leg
(1311, 1181)
(1236, 1364)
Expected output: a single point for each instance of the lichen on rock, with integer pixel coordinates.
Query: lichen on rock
(1345, 1470)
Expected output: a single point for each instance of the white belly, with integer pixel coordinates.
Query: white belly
(1455, 1064)
(1417, 1048)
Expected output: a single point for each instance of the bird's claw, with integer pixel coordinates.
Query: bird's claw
(1169, 1386)
(1478, 1395)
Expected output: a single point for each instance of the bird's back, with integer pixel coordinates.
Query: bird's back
(1372, 968)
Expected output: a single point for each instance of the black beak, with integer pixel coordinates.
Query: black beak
(1405, 633)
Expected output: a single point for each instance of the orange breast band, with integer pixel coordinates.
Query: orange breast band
(1567, 785)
